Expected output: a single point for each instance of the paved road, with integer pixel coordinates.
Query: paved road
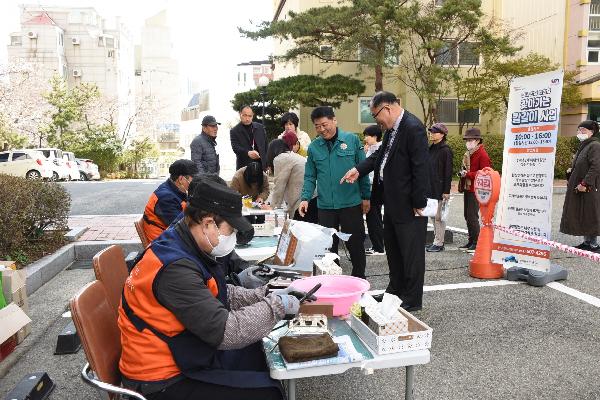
(110, 197)
(496, 342)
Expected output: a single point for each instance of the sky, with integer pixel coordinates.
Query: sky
(206, 40)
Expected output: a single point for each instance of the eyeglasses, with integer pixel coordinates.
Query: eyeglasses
(377, 113)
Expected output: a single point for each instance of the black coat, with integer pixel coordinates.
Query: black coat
(241, 144)
(204, 154)
(405, 178)
(581, 211)
(440, 169)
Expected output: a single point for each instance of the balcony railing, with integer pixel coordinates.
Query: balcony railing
(595, 8)
(594, 23)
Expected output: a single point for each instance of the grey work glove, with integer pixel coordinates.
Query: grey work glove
(249, 280)
(291, 305)
(298, 294)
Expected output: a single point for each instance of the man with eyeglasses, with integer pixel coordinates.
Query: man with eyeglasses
(248, 140)
(169, 199)
(401, 183)
(340, 207)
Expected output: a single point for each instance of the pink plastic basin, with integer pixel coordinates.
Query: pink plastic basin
(340, 290)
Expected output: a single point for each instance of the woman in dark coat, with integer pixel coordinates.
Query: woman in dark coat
(440, 179)
(581, 211)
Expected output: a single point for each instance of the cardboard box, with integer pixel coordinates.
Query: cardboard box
(12, 320)
(14, 289)
(286, 246)
(8, 264)
(419, 336)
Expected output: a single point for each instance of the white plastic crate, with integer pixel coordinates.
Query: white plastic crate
(418, 337)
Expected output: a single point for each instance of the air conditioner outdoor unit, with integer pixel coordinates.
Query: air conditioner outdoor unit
(32, 35)
(76, 72)
(75, 41)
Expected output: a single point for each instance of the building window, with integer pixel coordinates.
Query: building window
(391, 56)
(594, 111)
(595, 15)
(61, 39)
(364, 112)
(438, 3)
(111, 53)
(448, 112)
(463, 54)
(101, 41)
(110, 42)
(16, 41)
(326, 53)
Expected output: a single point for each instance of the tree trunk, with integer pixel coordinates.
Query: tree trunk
(378, 78)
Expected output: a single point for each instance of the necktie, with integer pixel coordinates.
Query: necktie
(392, 134)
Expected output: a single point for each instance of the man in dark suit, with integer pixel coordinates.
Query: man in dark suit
(400, 183)
(248, 140)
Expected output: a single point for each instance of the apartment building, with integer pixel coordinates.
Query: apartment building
(565, 31)
(79, 45)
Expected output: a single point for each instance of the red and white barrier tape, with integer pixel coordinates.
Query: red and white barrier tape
(551, 243)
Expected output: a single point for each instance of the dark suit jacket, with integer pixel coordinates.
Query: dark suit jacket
(241, 144)
(406, 175)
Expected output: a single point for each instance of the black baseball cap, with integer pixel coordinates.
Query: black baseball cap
(210, 120)
(183, 168)
(213, 197)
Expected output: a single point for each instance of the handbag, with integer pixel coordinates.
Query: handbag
(307, 347)
(461, 184)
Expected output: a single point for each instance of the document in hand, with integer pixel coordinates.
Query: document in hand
(430, 209)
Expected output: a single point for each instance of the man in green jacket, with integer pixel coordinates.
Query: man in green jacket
(340, 206)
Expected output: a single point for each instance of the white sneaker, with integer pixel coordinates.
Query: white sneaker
(371, 252)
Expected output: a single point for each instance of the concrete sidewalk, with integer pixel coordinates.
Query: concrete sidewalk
(120, 227)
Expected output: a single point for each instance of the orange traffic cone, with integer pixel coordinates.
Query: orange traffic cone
(487, 192)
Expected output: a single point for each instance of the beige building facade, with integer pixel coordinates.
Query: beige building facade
(79, 45)
(565, 31)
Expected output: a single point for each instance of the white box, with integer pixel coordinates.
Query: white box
(418, 337)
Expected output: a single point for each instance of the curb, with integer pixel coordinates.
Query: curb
(43, 270)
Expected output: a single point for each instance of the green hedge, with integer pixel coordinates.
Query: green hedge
(494, 145)
(28, 208)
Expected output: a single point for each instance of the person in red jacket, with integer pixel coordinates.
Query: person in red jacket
(475, 159)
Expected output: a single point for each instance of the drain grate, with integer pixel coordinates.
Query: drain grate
(81, 264)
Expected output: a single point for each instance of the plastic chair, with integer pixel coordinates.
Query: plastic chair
(99, 333)
(139, 227)
(110, 269)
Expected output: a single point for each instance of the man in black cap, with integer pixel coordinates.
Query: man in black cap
(168, 200)
(186, 334)
(204, 147)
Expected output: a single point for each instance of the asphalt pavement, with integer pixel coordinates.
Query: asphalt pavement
(507, 341)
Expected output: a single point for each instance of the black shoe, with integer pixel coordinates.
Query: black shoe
(466, 246)
(584, 246)
(411, 308)
(472, 248)
(594, 249)
(435, 249)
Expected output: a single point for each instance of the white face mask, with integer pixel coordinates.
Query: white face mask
(471, 145)
(225, 246)
(582, 136)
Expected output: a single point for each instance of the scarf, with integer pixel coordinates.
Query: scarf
(466, 164)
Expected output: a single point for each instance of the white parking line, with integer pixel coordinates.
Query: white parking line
(469, 285)
(575, 293)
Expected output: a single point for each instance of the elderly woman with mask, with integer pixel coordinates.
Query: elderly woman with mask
(581, 210)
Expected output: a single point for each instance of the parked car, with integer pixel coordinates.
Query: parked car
(71, 163)
(88, 170)
(30, 164)
(60, 169)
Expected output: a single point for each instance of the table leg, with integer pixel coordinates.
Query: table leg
(291, 392)
(410, 382)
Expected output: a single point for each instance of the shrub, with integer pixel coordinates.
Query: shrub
(494, 145)
(27, 209)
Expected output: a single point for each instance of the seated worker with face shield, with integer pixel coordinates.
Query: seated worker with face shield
(185, 332)
(168, 200)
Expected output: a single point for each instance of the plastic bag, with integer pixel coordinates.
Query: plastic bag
(445, 211)
(313, 242)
